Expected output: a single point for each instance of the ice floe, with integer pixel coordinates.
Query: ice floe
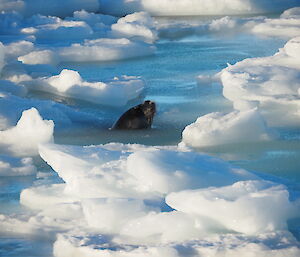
(84, 37)
(272, 83)
(291, 13)
(249, 207)
(46, 197)
(287, 26)
(94, 19)
(194, 7)
(219, 128)
(151, 172)
(40, 57)
(24, 138)
(61, 30)
(137, 26)
(116, 213)
(105, 49)
(69, 83)
(264, 92)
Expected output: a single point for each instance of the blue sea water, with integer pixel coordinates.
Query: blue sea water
(171, 81)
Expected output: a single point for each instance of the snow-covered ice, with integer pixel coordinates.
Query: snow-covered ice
(151, 172)
(40, 57)
(272, 82)
(121, 220)
(69, 83)
(248, 207)
(219, 128)
(264, 92)
(24, 138)
(286, 26)
(136, 25)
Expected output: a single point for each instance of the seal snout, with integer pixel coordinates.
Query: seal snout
(149, 108)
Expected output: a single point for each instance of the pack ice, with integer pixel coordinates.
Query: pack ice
(131, 200)
(135, 200)
(264, 92)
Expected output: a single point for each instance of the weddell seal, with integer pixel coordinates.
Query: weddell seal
(138, 117)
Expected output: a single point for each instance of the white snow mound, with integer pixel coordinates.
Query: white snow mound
(248, 207)
(30, 131)
(271, 82)
(219, 128)
(69, 83)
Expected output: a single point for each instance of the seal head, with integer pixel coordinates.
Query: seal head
(138, 117)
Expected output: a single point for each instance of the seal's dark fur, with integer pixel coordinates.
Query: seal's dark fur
(138, 117)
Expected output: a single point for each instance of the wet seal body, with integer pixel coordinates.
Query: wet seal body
(138, 117)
